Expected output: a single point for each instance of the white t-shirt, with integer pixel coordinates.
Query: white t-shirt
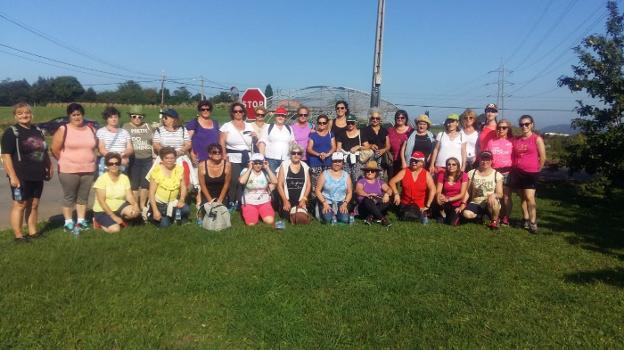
(256, 190)
(448, 148)
(175, 139)
(236, 140)
(471, 142)
(277, 142)
(107, 137)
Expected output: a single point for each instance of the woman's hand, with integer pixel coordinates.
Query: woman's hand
(355, 148)
(343, 208)
(15, 182)
(442, 199)
(156, 215)
(326, 208)
(286, 206)
(397, 199)
(385, 198)
(117, 219)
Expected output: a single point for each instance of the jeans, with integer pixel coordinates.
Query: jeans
(340, 217)
(166, 221)
(274, 164)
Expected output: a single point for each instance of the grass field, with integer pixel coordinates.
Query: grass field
(324, 287)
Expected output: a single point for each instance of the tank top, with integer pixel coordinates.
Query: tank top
(526, 156)
(414, 190)
(294, 184)
(471, 142)
(337, 130)
(321, 144)
(423, 144)
(397, 140)
(214, 184)
(335, 190)
(502, 150)
(78, 153)
(203, 137)
(448, 148)
(302, 135)
(371, 188)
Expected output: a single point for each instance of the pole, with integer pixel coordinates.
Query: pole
(203, 95)
(376, 84)
(162, 90)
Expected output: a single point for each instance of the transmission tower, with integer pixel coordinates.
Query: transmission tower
(500, 87)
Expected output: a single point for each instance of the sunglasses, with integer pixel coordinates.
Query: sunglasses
(526, 124)
(238, 111)
(322, 123)
(112, 164)
(303, 114)
(374, 118)
(400, 117)
(206, 110)
(215, 152)
(260, 115)
(296, 153)
(350, 123)
(502, 127)
(451, 164)
(136, 116)
(469, 118)
(337, 108)
(491, 111)
(370, 171)
(337, 161)
(257, 163)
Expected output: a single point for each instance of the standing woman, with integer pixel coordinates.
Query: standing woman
(27, 164)
(259, 125)
(74, 145)
(529, 158)
(302, 128)
(236, 141)
(339, 124)
(112, 138)
(320, 147)
(350, 143)
(167, 191)
(421, 140)
(488, 130)
(214, 175)
(398, 134)
(203, 131)
(375, 137)
(334, 191)
(276, 140)
(502, 152)
(449, 144)
(141, 161)
(293, 181)
(417, 189)
(172, 134)
(470, 136)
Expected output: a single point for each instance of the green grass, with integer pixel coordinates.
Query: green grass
(323, 287)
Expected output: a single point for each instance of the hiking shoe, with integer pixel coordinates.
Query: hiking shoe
(505, 221)
(493, 224)
(369, 220)
(525, 224)
(69, 227)
(385, 222)
(82, 226)
(533, 227)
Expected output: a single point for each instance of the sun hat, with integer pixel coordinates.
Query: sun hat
(136, 110)
(372, 165)
(171, 113)
(337, 156)
(423, 118)
(418, 155)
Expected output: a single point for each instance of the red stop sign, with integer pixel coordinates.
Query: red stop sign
(253, 98)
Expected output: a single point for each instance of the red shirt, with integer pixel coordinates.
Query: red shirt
(451, 190)
(485, 135)
(414, 190)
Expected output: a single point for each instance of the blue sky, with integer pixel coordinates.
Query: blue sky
(435, 52)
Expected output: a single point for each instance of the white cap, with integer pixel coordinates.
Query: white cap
(337, 156)
(257, 157)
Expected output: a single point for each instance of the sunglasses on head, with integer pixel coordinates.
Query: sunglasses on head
(525, 124)
(296, 153)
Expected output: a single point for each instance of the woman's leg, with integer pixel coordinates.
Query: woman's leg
(234, 191)
(84, 187)
(531, 205)
(17, 217)
(69, 184)
(371, 208)
(32, 215)
(507, 203)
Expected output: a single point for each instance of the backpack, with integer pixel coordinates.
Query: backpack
(17, 147)
(272, 125)
(216, 217)
(90, 128)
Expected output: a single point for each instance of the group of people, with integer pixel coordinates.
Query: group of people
(331, 168)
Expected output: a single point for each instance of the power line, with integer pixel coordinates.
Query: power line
(507, 109)
(530, 32)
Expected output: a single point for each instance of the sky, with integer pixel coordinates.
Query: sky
(437, 53)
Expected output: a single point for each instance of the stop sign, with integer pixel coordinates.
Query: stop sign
(253, 98)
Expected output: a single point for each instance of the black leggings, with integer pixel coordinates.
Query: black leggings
(369, 207)
(451, 215)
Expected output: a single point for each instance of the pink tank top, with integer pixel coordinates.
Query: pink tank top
(78, 153)
(502, 150)
(526, 157)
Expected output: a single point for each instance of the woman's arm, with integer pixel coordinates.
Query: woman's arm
(541, 150)
(333, 145)
(434, 156)
(226, 184)
(245, 175)
(153, 185)
(280, 185)
(359, 190)
(57, 141)
(463, 156)
(431, 190)
(201, 173)
(310, 149)
(402, 155)
(183, 193)
(10, 170)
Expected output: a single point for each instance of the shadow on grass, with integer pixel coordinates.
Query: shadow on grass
(614, 277)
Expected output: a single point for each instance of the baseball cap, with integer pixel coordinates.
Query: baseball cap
(452, 116)
(257, 157)
(485, 155)
(170, 113)
(280, 111)
(491, 106)
(337, 156)
(351, 118)
(418, 155)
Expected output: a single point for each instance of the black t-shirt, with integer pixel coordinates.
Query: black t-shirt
(423, 143)
(379, 139)
(32, 150)
(348, 143)
(294, 184)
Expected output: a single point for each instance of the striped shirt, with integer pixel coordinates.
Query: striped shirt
(111, 143)
(173, 139)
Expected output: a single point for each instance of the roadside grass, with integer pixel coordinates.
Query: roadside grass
(323, 287)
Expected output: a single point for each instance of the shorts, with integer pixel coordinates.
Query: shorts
(105, 220)
(30, 190)
(137, 170)
(476, 208)
(251, 212)
(521, 180)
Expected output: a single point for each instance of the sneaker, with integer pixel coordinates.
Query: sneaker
(456, 221)
(525, 224)
(96, 225)
(493, 224)
(83, 226)
(505, 221)
(533, 227)
(69, 227)
(385, 222)
(369, 220)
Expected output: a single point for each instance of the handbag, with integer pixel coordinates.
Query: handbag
(299, 216)
(216, 217)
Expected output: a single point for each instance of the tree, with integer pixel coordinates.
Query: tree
(130, 92)
(66, 89)
(41, 91)
(223, 96)
(89, 96)
(12, 92)
(268, 91)
(180, 95)
(599, 73)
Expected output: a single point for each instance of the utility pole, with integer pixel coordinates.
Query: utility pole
(162, 90)
(203, 95)
(375, 90)
(500, 88)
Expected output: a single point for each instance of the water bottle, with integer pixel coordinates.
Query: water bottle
(178, 214)
(351, 219)
(17, 193)
(335, 213)
(280, 225)
(424, 217)
(76, 231)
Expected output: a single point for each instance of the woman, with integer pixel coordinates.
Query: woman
(334, 191)
(141, 161)
(501, 148)
(373, 195)
(214, 175)
(259, 123)
(236, 141)
(27, 164)
(320, 147)
(276, 139)
(114, 200)
(113, 138)
(488, 130)
(375, 137)
(421, 140)
(172, 134)
(74, 145)
(485, 189)
(449, 144)
(202, 131)
(167, 191)
(339, 124)
(398, 134)
(529, 157)
(418, 189)
(293, 181)
(470, 136)
(258, 181)
(302, 129)
(451, 188)
(350, 143)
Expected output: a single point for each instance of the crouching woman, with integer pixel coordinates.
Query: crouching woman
(114, 201)
(167, 190)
